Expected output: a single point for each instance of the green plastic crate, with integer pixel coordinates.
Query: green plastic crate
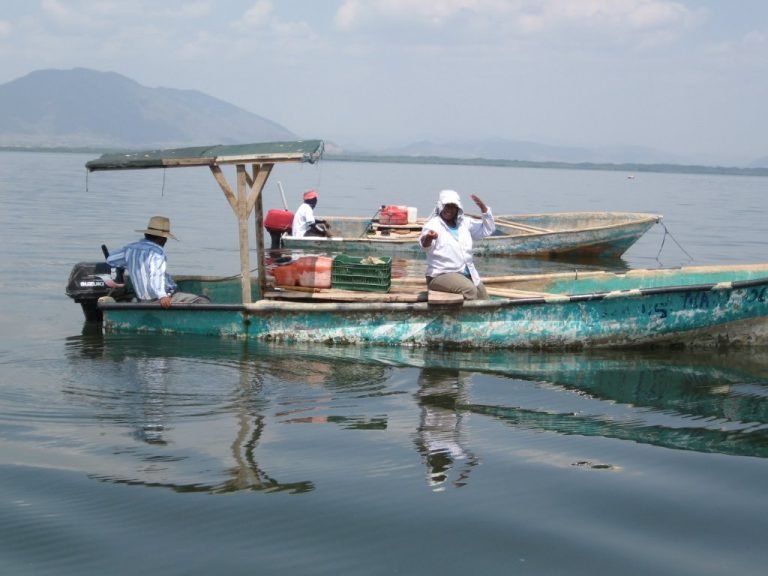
(353, 273)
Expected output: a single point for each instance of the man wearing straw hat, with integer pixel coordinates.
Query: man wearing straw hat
(145, 262)
(304, 223)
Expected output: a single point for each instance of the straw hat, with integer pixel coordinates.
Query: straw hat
(159, 226)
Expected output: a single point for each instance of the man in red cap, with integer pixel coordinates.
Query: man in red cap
(304, 223)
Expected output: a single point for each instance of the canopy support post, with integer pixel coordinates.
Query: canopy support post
(248, 197)
(260, 176)
(242, 228)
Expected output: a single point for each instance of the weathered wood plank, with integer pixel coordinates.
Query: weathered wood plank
(512, 293)
(336, 295)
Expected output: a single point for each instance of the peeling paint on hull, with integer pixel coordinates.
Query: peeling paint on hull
(690, 317)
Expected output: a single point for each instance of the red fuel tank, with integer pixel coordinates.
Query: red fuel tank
(278, 220)
(393, 215)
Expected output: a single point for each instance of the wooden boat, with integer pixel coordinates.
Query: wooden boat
(695, 306)
(578, 234)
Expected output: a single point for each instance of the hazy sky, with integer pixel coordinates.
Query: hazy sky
(681, 76)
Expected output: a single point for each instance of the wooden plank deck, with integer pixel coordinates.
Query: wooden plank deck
(406, 294)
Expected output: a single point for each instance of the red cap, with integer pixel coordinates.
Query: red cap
(310, 195)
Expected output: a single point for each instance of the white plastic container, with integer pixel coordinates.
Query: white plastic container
(412, 215)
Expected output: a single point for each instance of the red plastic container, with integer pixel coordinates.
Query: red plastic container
(278, 220)
(393, 215)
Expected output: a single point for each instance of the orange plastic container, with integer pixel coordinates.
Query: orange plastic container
(285, 275)
(308, 271)
(313, 271)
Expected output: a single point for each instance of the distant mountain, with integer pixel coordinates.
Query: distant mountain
(82, 107)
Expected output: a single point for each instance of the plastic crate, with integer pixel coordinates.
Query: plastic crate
(355, 273)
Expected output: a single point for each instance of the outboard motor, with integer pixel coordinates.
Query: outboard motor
(277, 223)
(89, 281)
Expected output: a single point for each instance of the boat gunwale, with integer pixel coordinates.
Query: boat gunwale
(263, 305)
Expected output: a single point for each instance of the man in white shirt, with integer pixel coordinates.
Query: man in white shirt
(304, 223)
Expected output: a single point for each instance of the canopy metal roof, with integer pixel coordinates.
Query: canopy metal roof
(256, 153)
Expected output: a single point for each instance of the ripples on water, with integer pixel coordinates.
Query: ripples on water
(164, 391)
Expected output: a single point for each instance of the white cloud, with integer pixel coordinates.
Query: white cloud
(186, 10)
(74, 16)
(355, 13)
(257, 15)
(634, 12)
(293, 29)
(261, 28)
(117, 14)
(525, 16)
(197, 47)
(58, 11)
(747, 50)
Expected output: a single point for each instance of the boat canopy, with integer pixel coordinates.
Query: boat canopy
(253, 164)
(256, 153)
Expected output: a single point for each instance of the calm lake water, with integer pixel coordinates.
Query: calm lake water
(126, 454)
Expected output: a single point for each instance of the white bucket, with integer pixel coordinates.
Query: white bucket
(411, 215)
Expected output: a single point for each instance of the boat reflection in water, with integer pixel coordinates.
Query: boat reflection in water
(219, 416)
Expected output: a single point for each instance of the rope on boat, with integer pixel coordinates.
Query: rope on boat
(367, 225)
(668, 233)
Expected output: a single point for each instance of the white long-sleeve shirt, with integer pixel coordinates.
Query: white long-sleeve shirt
(450, 254)
(302, 220)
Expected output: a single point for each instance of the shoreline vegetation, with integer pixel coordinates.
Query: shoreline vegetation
(388, 159)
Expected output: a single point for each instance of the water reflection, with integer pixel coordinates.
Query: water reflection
(163, 388)
(440, 438)
(143, 394)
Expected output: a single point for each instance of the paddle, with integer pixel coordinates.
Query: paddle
(524, 227)
(517, 225)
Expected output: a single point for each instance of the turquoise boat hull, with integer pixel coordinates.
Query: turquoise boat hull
(706, 307)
